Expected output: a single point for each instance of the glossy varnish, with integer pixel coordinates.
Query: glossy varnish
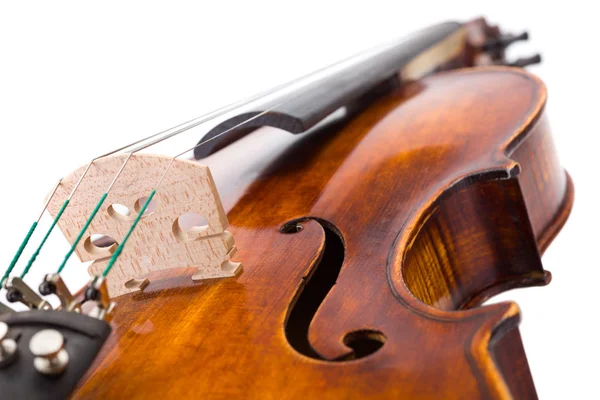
(418, 209)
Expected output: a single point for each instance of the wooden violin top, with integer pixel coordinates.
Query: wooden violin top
(367, 248)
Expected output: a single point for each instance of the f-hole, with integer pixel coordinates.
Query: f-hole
(313, 290)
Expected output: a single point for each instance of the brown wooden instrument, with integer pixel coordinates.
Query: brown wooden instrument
(368, 246)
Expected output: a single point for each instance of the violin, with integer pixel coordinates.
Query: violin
(333, 237)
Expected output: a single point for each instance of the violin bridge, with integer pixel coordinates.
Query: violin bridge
(184, 225)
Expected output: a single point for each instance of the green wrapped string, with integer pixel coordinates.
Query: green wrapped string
(37, 251)
(82, 232)
(19, 252)
(119, 250)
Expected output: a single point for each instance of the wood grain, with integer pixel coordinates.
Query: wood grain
(412, 213)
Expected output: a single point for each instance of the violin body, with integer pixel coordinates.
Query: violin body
(368, 247)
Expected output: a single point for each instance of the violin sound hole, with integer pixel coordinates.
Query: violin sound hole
(312, 293)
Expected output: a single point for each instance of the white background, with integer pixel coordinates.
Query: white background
(78, 79)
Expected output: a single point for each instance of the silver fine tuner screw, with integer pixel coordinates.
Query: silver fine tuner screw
(8, 347)
(48, 347)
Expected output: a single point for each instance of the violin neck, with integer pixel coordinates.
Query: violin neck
(350, 82)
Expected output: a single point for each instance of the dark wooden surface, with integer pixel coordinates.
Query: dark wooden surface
(302, 109)
(436, 197)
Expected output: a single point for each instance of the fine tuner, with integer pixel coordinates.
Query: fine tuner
(328, 260)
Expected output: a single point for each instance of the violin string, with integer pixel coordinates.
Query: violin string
(37, 251)
(49, 199)
(28, 237)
